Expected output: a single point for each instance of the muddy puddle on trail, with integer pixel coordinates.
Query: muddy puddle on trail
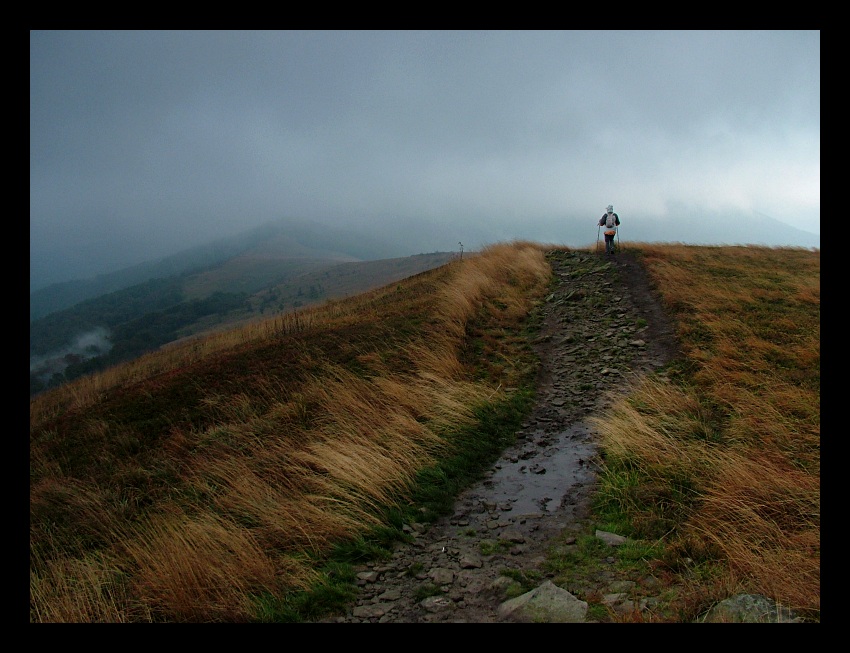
(543, 472)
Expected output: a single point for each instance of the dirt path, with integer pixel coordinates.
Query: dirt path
(601, 325)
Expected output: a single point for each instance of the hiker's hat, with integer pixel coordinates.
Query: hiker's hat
(610, 208)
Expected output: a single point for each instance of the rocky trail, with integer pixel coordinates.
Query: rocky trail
(601, 324)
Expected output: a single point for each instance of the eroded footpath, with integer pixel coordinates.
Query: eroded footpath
(601, 325)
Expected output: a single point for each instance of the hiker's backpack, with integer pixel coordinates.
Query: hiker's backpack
(609, 220)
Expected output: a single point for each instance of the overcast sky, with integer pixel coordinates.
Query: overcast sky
(143, 143)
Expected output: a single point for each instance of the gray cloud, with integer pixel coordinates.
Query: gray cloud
(143, 143)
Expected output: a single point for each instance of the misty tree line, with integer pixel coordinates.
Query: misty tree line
(138, 320)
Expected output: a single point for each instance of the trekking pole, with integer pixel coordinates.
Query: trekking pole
(597, 238)
(618, 239)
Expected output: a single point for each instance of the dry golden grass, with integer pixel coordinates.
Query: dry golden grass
(205, 568)
(79, 590)
(737, 442)
(298, 430)
(181, 486)
(764, 514)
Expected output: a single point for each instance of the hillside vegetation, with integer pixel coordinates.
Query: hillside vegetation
(276, 275)
(237, 476)
(305, 242)
(722, 469)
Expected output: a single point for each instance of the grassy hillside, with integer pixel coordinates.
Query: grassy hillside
(305, 243)
(721, 471)
(275, 275)
(60, 296)
(235, 477)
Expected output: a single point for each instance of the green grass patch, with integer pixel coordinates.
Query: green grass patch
(328, 597)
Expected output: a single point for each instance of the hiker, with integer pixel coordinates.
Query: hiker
(610, 221)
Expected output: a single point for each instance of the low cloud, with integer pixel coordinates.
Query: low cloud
(84, 347)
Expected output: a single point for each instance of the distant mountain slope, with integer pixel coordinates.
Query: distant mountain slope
(277, 274)
(273, 260)
(343, 280)
(268, 238)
